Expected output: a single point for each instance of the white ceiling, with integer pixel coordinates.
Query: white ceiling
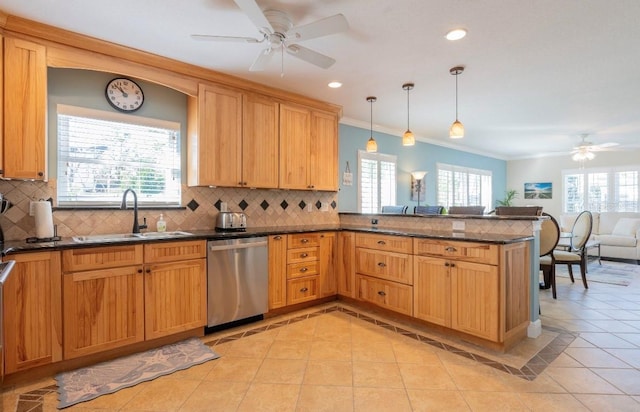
(539, 73)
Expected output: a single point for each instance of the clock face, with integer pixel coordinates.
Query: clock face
(124, 95)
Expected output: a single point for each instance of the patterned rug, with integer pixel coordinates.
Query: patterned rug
(88, 383)
(614, 273)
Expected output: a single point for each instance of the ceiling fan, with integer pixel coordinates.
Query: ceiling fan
(585, 150)
(279, 34)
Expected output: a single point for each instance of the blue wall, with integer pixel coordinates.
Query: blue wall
(422, 156)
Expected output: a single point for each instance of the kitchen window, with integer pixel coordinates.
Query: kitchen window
(464, 186)
(601, 189)
(377, 184)
(101, 154)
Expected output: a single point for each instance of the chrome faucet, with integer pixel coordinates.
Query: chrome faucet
(123, 206)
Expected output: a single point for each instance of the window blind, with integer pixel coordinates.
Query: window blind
(464, 186)
(377, 185)
(101, 154)
(614, 189)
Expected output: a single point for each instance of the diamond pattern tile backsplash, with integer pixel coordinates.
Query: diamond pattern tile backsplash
(264, 208)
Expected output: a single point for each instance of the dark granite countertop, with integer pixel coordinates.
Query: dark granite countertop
(10, 247)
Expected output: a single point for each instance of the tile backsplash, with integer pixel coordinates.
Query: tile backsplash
(264, 208)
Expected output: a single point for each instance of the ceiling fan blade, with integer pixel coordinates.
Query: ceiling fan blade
(323, 27)
(207, 37)
(609, 144)
(310, 56)
(252, 10)
(264, 57)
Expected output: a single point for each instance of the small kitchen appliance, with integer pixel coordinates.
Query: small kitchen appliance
(231, 221)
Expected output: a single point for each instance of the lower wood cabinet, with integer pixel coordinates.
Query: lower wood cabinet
(32, 307)
(346, 269)
(389, 295)
(277, 271)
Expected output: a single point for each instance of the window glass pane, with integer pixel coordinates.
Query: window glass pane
(627, 191)
(597, 195)
(101, 154)
(614, 189)
(377, 181)
(573, 193)
(462, 186)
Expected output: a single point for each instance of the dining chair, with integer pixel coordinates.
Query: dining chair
(549, 236)
(395, 209)
(466, 210)
(427, 210)
(519, 210)
(576, 253)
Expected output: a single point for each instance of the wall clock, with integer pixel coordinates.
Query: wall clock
(124, 94)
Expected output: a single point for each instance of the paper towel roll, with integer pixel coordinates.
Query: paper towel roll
(44, 219)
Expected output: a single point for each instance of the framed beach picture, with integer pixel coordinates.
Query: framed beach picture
(538, 190)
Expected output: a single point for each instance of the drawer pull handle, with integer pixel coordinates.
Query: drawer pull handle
(305, 289)
(382, 264)
(304, 241)
(382, 242)
(382, 293)
(303, 270)
(304, 255)
(450, 249)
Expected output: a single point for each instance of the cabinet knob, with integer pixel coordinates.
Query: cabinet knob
(304, 255)
(278, 237)
(382, 264)
(382, 293)
(450, 249)
(453, 265)
(303, 270)
(139, 270)
(40, 174)
(382, 242)
(148, 271)
(304, 241)
(447, 264)
(304, 289)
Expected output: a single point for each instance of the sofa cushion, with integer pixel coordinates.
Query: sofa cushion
(626, 227)
(614, 240)
(608, 220)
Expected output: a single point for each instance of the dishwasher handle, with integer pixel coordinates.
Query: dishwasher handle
(214, 248)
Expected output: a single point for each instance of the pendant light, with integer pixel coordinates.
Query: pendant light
(456, 131)
(407, 138)
(372, 146)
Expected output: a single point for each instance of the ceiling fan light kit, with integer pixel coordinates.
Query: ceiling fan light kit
(372, 146)
(279, 33)
(456, 131)
(408, 139)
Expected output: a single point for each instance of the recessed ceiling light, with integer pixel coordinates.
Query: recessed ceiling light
(456, 34)
(335, 85)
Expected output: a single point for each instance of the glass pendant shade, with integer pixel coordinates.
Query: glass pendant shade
(408, 139)
(372, 146)
(456, 131)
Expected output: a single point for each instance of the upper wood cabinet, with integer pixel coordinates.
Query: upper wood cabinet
(25, 106)
(233, 139)
(33, 311)
(308, 149)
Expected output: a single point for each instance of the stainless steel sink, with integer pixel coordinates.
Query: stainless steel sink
(119, 237)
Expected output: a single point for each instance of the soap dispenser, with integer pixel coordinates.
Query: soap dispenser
(161, 225)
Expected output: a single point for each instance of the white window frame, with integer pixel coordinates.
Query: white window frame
(391, 183)
(171, 170)
(592, 197)
(448, 194)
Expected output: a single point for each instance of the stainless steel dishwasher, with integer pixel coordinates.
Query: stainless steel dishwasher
(237, 280)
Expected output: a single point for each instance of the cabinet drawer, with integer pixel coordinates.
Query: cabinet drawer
(302, 289)
(385, 265)
(303, 240)
(173, 251)
(468, 251)
(388, 243)
(74, 260)
(303, 254)
(389, 295)
(297, 270)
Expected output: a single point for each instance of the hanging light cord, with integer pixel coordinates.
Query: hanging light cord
(408, 88)
(371, 116)
(457, 96)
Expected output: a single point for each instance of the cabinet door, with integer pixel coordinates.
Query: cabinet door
(215, 150)
(32, 305)
(346, 270)
(1, 110)
(295, 140)
(103, 309)
(277, 271)
(327, 264)
(175, 298)
(323, 160)
(432, 290)
(475, 305)
(260, 142)
(25, 105)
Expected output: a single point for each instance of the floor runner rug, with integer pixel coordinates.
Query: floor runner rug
(107, 377)
(614, 273)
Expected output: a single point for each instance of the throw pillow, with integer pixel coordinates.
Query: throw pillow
(626, 227)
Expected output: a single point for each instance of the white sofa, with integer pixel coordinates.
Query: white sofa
(617, 232)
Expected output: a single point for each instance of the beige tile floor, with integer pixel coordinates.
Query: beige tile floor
(338, 362)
